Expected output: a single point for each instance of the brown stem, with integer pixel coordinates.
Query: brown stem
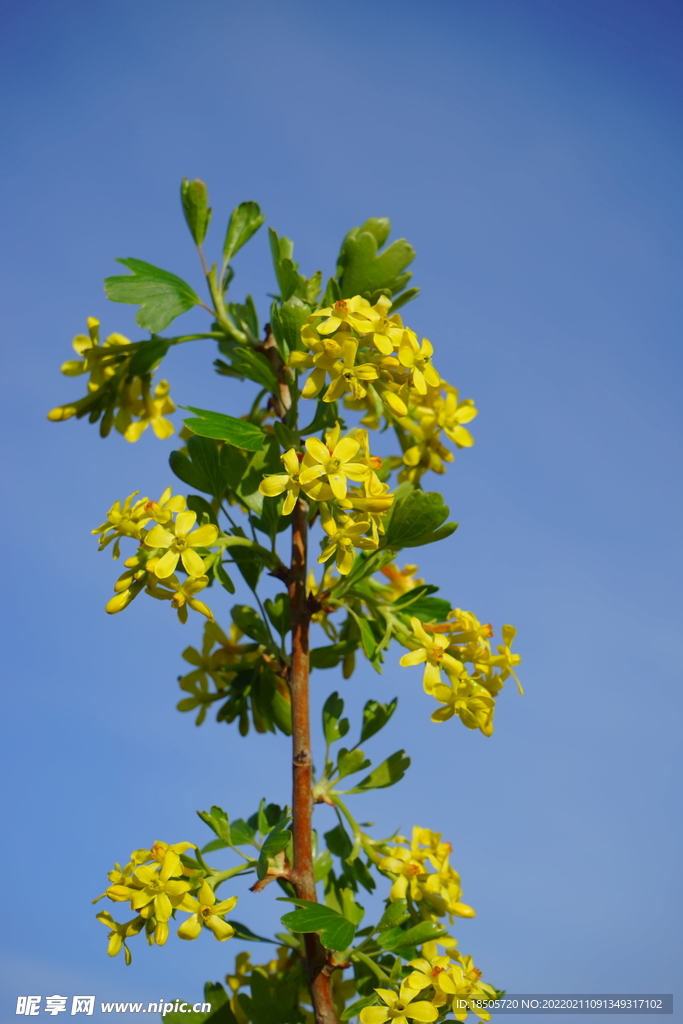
(302, 801)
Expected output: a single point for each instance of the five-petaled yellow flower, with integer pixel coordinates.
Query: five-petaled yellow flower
(399, 1008)
(205, 912)
(333, 462)
(433, 653)
(180, 544)
(291, 481)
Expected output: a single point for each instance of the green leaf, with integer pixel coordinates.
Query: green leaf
(223, 578)
(395, 914)
(201, 508)
(375, 717)
(414, 518)
(266, 460)
(195, 199)
(148, 356)
(242, 932)
(429, 609)
(285, 437)
(278, 611)
(354, 1009)
(250, 622)
(367, 638)
(245, 220)
(254, 365)
(242, 833)
(222, 427)
(362, 270)
(351, 761)
(286, 321)
(274, 843)
(388, 773)
(218, 822)
(403, 299)
(399, 938)
(322, 865)
(332, 654)
(333, 728)
(161, 296)
(336, 932)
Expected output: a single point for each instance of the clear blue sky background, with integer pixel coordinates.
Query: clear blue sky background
(531, 151)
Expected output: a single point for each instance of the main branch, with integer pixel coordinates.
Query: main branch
(302, 767)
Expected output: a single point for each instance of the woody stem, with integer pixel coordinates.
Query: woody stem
(302, 766)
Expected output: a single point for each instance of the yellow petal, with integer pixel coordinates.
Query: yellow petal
(204, 537)
(271, 486)
(190, 928)
(158, 537)
(422, 1011)
(373, 1015)
(184, 522)
(193, 564)
(317, 449)
(166, 565)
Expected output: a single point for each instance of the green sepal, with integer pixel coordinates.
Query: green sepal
(161, 296)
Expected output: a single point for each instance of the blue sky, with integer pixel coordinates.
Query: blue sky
(531, 152)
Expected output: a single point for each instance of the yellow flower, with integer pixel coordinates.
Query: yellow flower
(100, 361)
(407, 868)
(451, 414)
(505, 660)
(431, 972)
(399, 1008)
(158, 896)
(373, 504)
(350, 376)
(180, 544)
(163, 510)
(323, 358)
(473, 705)
(205, 912)
(387, 332)
(291, 482)
(120, 932)
(402, 580)
(127, 520)
(182, 595)
(344, 535)
(433, 652)
(334, 461)
(428, 453)
(150, 410)
(417, 359)
(469, 989)
(356, 312)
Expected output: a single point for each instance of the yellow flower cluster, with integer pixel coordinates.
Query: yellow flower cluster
(127, 402)
(377, 365)
(456, 983)
(350, 516)
(448, 647)
(437, 891)
(172, 540)
(156, 883)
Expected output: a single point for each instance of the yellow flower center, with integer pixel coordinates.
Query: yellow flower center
(206, 912)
